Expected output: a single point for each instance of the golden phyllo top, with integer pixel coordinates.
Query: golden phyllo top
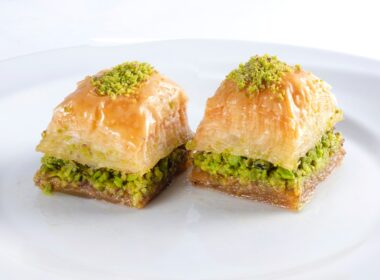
(126, 119)
(266, 109)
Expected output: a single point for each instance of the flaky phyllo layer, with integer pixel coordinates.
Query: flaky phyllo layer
(267, 110)
(245, 170)
(126, 118)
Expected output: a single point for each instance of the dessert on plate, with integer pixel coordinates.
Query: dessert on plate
(268, 134)
(118, 137)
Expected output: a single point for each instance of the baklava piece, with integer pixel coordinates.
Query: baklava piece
(118, 137)
(268, 134)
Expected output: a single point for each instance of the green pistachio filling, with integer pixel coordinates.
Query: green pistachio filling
(137, 186)
(247, 170)
(260, 73)
(122, 79)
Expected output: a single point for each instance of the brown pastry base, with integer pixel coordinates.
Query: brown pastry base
(262, 192)
(86, 189)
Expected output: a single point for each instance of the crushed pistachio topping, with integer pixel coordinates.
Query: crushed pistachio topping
(297, 68)
(47, 189)
(43, 134)
(139, 187)
(260, 73)
(122, 79)
(246, 170)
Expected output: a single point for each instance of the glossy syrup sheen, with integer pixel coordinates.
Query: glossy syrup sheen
(129, 133)
(279, 128)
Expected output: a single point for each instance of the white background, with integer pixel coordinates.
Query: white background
(39, 25)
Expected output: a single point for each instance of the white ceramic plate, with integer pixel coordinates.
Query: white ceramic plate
(187, 233)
